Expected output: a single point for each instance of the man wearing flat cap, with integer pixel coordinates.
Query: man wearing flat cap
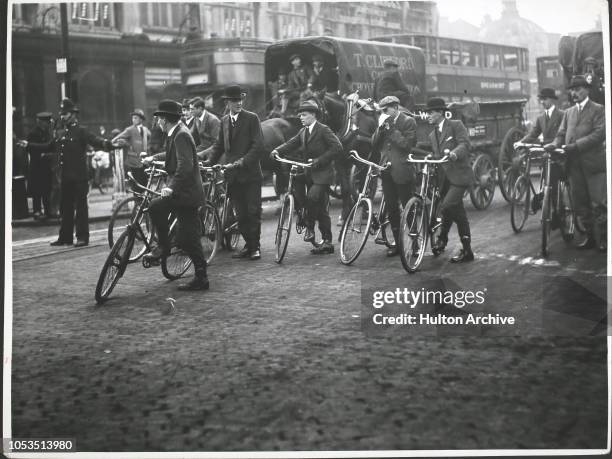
(240, 141)
(546, 126)
(206, 124)
(389, 83)
(394, 139)
(297, 80)
(136, 140)
(583, 132)
(40, 173)
(316, 142)
(323, 78)
(70, 144)
(182, 194)
(457, 176)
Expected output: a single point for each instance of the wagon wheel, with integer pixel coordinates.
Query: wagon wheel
(508, 164)
(483, 190)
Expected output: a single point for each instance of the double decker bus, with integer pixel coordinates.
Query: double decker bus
(208, 65)
(464, 70)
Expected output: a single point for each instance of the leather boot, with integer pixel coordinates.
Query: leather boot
(465, 254)
(440, 244)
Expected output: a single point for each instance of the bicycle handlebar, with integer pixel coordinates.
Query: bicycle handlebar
(539, 148)
(293, 163)
(442, 160)
(353, 154)
(142, 187)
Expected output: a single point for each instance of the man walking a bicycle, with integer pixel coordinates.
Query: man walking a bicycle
(394, 138)
(457, 176)
(583, 133)
(317, 142)
(182, 195)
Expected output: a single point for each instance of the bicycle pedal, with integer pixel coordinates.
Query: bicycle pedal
(380, 241)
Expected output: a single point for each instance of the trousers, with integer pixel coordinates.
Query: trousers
(74, 210)
(314, 199)
(246, 199)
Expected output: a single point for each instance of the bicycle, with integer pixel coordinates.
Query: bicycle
(129, 206)
(421, 220)
(522, 203)
(175, 264)
(215, 190)
(361, 221)
(283, 228)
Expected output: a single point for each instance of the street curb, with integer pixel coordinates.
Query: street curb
(30, 223)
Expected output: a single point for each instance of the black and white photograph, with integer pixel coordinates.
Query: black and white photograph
(307, 229)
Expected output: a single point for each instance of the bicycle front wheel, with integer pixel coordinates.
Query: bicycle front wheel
(413, 234)
(520, 203)
(283, 229)
(565, 212)
(355, 231)
(546, 221)
(123, 215)
(114, 266)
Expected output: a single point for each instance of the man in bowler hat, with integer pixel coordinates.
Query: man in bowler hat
(583, 132)
(316, 142)
(71, 146)
(240, 139)
(182, 194)
(457, 175)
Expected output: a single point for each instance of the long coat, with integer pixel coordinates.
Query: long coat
(547, 127)
(131, 138)
(395, 144)
(182, 168)
(71, 146)
(454, 137)
(242, 143)
(208, 130)
(322, 144)
(39, 179)
(587, 130)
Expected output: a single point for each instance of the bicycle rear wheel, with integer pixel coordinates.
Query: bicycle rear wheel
(283, 229)
(210, 225)
(114, 266)
(520, 203)
(546, 221)
(229, 223)
(413, 234)
(177, 262)
(565, 212)
(355, 231)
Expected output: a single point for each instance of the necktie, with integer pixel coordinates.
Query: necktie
(307, 135)
(140, 131)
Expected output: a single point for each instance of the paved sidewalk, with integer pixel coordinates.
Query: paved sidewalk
(101, 207)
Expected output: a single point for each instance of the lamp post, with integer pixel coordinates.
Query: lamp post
(65, 88)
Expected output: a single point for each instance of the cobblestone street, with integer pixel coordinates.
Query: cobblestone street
(273, 357)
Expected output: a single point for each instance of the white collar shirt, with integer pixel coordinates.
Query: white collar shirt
(203, 115)
(311, 127)
(441, 125)
(550, 111)
(172, 130)
(581, 105)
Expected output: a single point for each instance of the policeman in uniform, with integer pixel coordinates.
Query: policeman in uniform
(39, 182)
(71, 146)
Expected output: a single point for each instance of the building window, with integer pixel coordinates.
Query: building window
(492, 57)
(161, 76)
(511, 59)
(163, 15)
(470, 55)
(97, 14)
(449, 52)
(237, 23)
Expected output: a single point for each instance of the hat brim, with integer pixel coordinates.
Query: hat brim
(138, 114)
(309, 109)
(242, 96)
(72, 110)
(579, 85)
(163, 112)
(550, 96)
(436, 109)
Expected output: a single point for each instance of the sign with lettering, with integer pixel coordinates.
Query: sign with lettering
(61, 65)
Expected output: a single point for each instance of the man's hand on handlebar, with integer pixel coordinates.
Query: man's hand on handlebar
(146, 159)
(571, 148)
(550, 147)
(166, 192)
(274, 154)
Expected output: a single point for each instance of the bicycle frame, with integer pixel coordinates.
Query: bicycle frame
(372, 173)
